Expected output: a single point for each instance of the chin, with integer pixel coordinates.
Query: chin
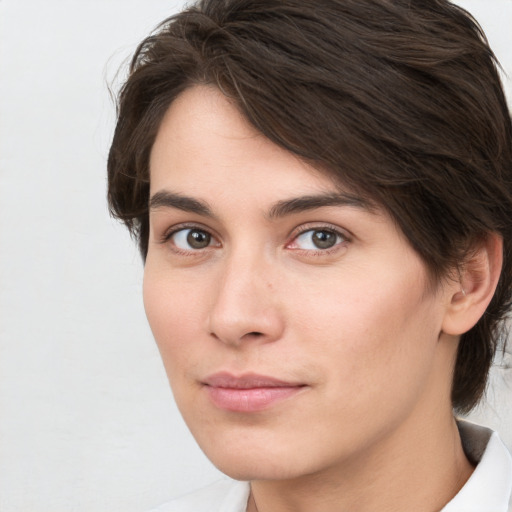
(262, 469)
(253, 460)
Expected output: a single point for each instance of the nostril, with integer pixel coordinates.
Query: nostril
(252, 334)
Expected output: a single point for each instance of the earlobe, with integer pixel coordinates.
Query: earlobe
(472, 293)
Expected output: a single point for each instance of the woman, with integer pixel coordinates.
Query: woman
(321, 194)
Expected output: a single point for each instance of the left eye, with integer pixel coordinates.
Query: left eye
(317, 239)
(191, 238)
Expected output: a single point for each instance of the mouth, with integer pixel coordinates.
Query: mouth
(249, 392)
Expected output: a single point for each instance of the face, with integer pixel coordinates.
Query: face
(295, 324)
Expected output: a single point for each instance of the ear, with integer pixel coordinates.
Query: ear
(471, 293)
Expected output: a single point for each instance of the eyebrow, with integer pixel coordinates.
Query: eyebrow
(167, 199)
(304, 203)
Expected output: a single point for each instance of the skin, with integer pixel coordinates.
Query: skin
(355, 324)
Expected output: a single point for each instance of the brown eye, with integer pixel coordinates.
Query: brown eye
(191, 239)
(324, 239)
(198, 239)
(318, 239)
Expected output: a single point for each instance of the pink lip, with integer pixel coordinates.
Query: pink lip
(249, 392)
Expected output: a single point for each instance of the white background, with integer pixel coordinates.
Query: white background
(87, 422)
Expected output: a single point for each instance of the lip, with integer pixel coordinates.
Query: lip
(249, 392)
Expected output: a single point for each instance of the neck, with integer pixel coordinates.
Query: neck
(418, 468)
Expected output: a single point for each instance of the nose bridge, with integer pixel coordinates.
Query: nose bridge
(244, 304)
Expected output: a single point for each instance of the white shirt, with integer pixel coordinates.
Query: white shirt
(488, 489)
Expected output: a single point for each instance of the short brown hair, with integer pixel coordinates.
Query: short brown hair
(399, 99)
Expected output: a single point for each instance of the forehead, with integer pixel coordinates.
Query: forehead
(204, 141)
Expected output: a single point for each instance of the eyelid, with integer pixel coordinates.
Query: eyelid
(172, 230)
(319, 226)
(168, 232)
(312, 226)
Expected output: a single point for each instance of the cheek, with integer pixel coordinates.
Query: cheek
(173, 312)
(373, 330)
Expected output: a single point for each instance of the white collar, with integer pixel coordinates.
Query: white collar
(489, 487)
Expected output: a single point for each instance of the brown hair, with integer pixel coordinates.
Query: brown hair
(398, 99)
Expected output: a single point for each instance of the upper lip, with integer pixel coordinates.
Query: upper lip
(245, 381)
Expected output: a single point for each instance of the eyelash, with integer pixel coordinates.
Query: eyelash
(167, 236)
(342, 235)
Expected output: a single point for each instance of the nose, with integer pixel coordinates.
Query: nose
(245, 306)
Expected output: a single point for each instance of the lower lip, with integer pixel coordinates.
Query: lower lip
(250, 400)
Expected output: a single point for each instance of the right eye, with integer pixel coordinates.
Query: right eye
(191, 239)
